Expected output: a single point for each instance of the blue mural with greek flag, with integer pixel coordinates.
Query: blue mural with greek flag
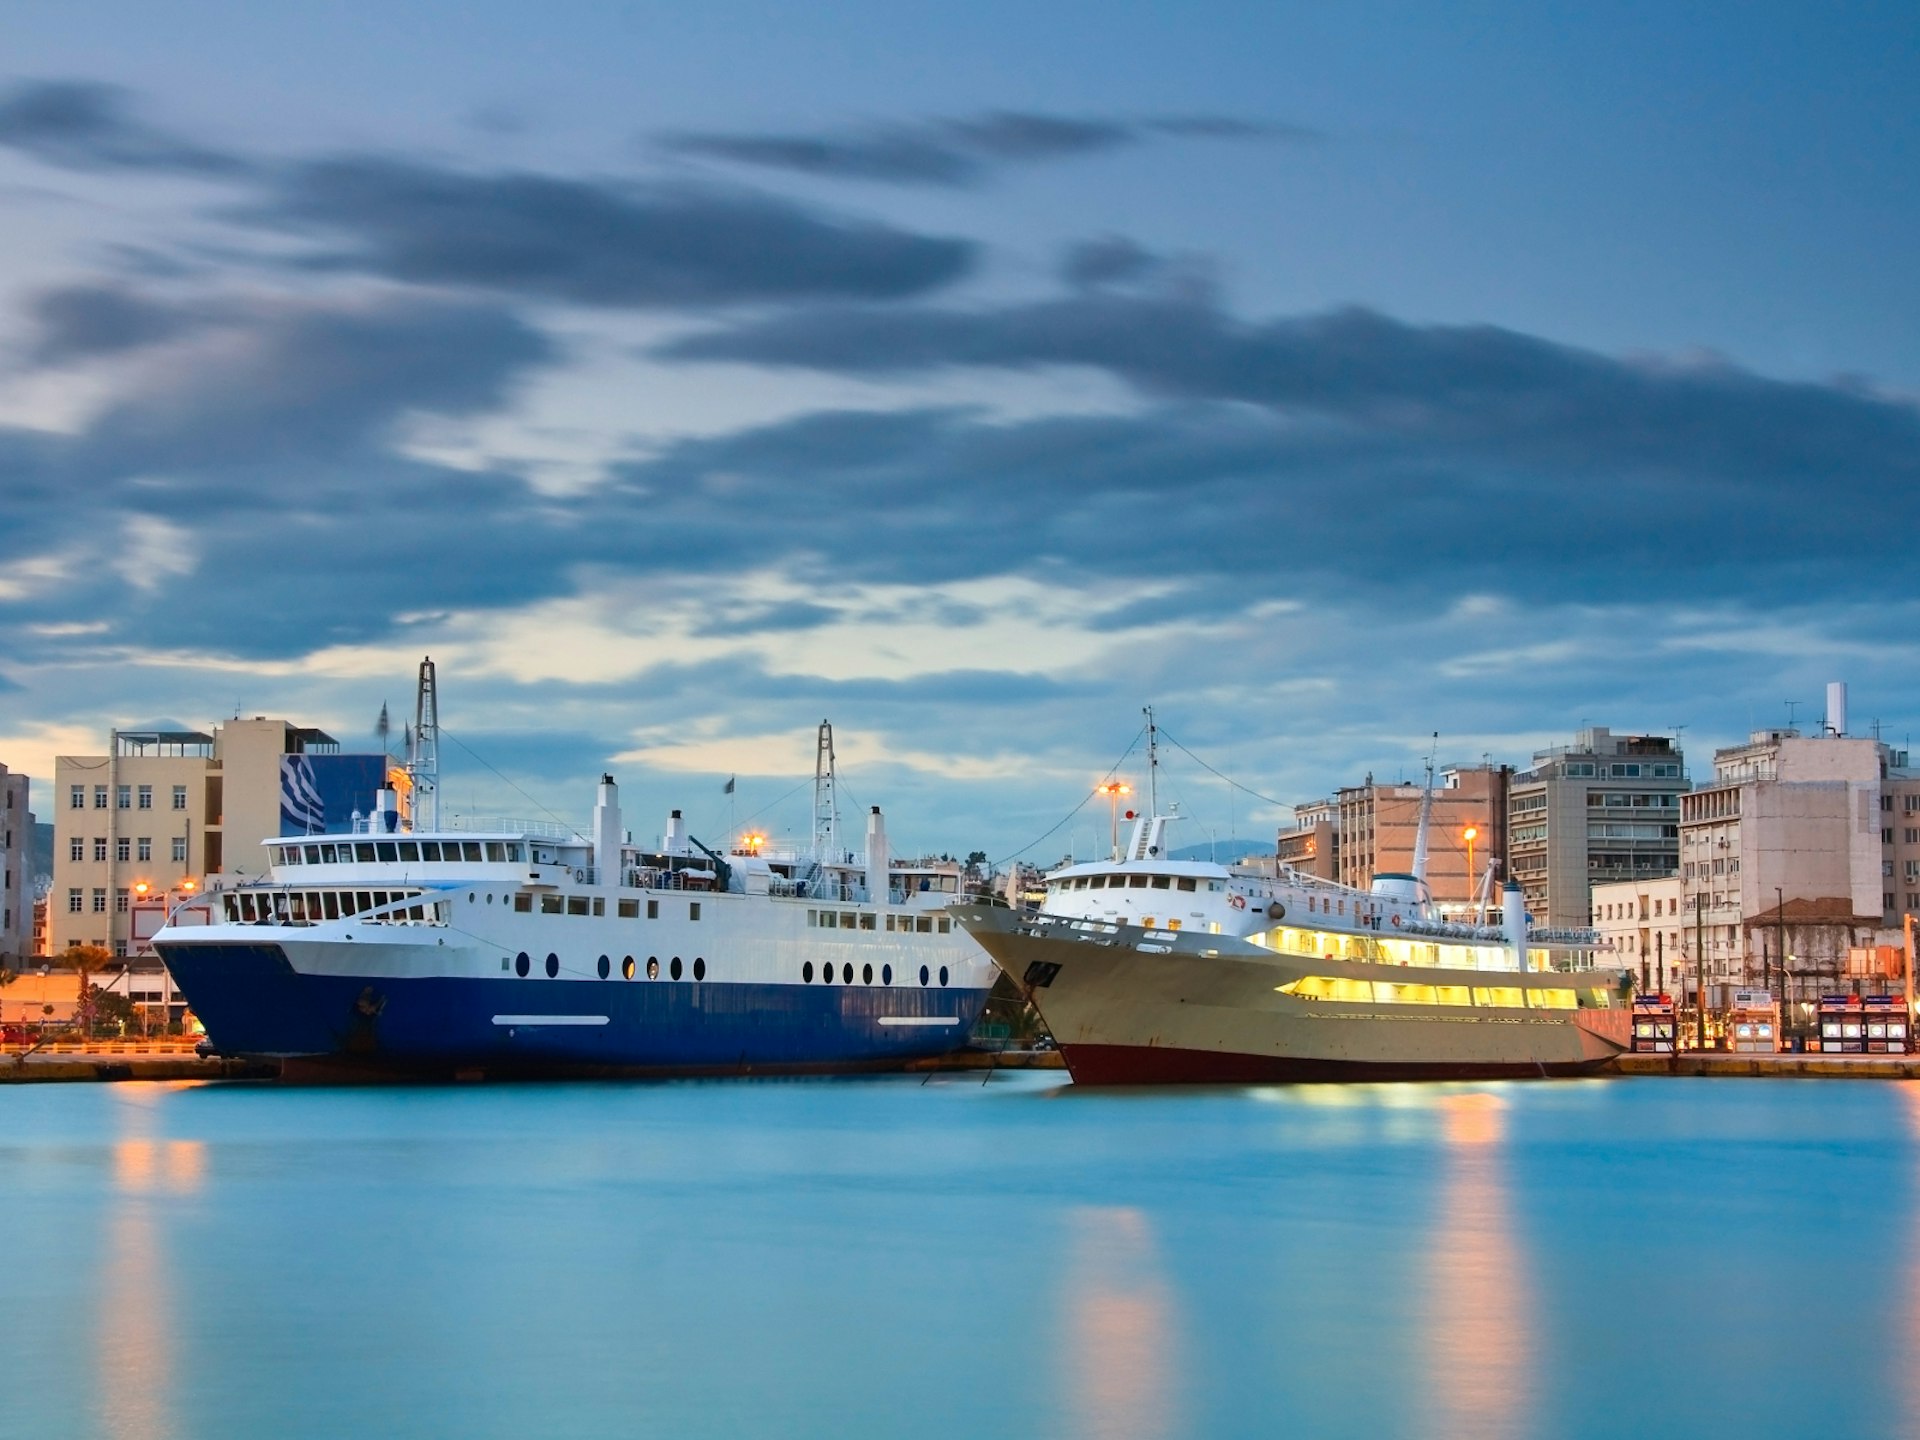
(319, 794)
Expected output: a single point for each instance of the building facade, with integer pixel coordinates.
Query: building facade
(164, 808)
(1803, 849)
(1312, 845)
(16, 871)
(1605, 808)
(1377, 826)
(1644, 930)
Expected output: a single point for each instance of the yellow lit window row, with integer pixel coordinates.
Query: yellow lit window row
(1385, 992)
(1384, 950)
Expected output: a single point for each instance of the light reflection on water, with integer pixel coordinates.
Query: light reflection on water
(1477, 1319)
(951, 1259)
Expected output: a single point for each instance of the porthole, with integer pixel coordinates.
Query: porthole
(866, 974)
(626, 968)
(806, 972)
(886, 974)
(923, 974)
(521, 963)
(489, 897)
(699, 968)
(553, 967)
(605, 966)
(674, 968)
(653, 967)
(469, 897)
(846, 973)
(943, 977)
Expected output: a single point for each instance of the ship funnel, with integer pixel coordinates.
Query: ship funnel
(1837, 708)
(607, 832)
(386, 810)
(878, 859)
(1514, 913)
(676, 835)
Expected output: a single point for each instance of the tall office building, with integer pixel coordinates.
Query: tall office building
(1377, 826)
(1605, 808)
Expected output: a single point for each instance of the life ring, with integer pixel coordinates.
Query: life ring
(1396, 922)
(1276, 911)
(1238, 902)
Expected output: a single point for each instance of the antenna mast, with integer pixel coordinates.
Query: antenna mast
(1426, 817)
(1153, 764)
(423, 754)
(826, 804)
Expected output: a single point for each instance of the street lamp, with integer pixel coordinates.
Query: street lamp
(1113, 790)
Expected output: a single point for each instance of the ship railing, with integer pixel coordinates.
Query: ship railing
(536, 829)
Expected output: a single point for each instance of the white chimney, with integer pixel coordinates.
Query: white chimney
(676, 843)
(1837, 708)
(607, 832)
(1514, 913)
(878, 860)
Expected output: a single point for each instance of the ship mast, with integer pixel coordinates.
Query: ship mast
(1153, 765)
(423, 750)
(1422, 894)
(826, 804)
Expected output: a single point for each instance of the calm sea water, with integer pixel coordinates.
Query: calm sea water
(891, 1258)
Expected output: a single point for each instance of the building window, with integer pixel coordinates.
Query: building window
(179, 797)
(74, 907)
(120, 901)
(99, 797)
(180, 849)
(146, 797)
(76, 797)
(123, 848)
(123, 796)
(145, 844)
(99, 847)
(100, 901)
(76, 849)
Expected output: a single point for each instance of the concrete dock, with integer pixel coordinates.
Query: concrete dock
(1802, 1066)
(124, 1062)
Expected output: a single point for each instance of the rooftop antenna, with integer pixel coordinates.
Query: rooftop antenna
(826, 804)
(1791, 705)
(423, 754)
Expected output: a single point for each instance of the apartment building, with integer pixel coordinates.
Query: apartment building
(1804, 847)
(1312, 844)
(1377, 825)
(1605, 808)
(163, 807)
(16, 870)
(1644, 930)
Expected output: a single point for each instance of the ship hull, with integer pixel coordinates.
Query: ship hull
(1206, 1009)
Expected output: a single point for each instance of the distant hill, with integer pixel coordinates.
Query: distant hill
(1223, 851)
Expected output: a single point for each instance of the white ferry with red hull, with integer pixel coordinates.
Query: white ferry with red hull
(1154, 971)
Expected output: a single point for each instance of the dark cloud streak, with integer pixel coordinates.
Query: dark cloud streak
(85, 125)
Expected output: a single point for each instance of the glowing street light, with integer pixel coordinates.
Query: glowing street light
(1471, 834)
(1113, 790)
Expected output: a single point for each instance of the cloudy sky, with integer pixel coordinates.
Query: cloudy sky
(1325, 376)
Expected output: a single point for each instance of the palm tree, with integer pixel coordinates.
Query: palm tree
(83, 960)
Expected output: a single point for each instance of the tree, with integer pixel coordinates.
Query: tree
(83, 960)
(110, 1014)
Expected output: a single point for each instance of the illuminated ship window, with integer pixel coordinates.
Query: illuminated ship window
(629, 909)
(868, 921)
(626, 967)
